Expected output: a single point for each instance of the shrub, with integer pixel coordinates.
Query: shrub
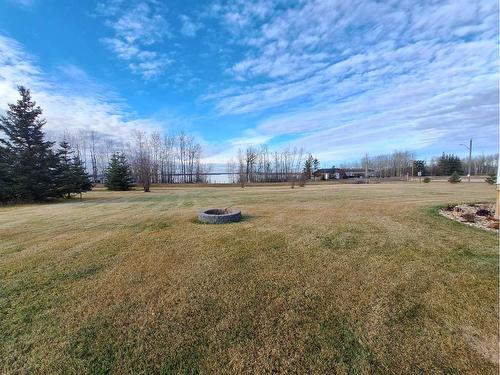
(427, 180)
(483, 212)
(491, 179)
(454, 178)
(469, 217)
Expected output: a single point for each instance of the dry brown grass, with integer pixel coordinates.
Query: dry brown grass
(325, 279)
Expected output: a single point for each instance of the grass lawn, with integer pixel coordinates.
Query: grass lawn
(355, 279)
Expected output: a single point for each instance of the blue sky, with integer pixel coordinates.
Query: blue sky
(338, 78)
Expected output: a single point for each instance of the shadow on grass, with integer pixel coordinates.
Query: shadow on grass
(244, 218)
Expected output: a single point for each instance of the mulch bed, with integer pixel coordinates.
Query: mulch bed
(479, 215)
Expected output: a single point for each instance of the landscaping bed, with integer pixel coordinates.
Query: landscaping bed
(480, 215)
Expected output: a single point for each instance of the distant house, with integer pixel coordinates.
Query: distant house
(358, 172)
(328, 174)
(339, 173)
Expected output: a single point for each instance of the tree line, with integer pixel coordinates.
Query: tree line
(167, 158)
(34, 169)
(260, 164)
(402, 163)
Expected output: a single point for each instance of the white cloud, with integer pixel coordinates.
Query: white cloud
(70, 101)
(189, 27)
(138, 27)
(361, 72)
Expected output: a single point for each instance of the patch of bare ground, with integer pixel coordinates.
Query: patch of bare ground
(485, 345)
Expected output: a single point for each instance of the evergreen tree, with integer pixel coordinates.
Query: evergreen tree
(70, 175)
(64, 174)
(81, 179)
(454, 178)
(447, 164)
(308, 167)
(31, 160)
(315, 165)
(118, 173)
(419, 166)
(5, 176)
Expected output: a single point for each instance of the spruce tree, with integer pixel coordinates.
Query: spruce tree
(454, 178)
(64, 175)
(81, 179)
(31, 160)
(70, 174)
(118, 173)
(419, 166)
(448, 164)
(5, 176)
(308, 167)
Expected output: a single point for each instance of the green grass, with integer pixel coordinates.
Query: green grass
(354, 279)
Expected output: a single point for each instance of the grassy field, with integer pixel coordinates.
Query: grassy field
(355, 279)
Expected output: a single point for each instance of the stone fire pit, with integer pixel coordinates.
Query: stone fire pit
(219, 215)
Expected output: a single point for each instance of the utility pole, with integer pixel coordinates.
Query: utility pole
(366, 168)
(497, 208)
(469, 147)
(470, 157)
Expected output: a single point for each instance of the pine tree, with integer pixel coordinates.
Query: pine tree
(308, 167)
(81, 179)
(5, 176)
(32, 161)
(448, 164)
(419, 166)
(315, 165)
(70, 176)
(454, 178)
(118, 173)
(64, 174)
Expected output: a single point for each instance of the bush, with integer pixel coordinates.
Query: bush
(454, 178)
(469, 217)
(427, 180)
(483, 212)
(491, 179)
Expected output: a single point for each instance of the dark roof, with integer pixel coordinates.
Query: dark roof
(358, 170)
(335, 170)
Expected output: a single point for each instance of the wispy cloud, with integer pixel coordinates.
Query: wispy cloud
(361, 72)
(23, 3)
(189, 27)
(138, 27)
(71, 100)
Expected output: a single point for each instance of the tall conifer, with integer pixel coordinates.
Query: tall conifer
(31, 162)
